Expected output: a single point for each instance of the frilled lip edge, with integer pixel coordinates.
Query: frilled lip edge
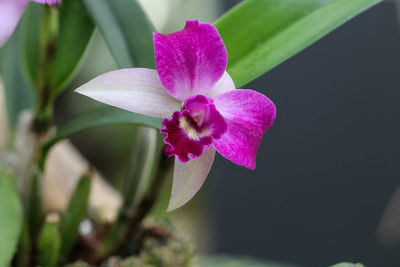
(193, 129)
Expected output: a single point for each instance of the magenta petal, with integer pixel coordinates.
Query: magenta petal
(191, 61)
(48, 2)
(189, 177)
(10, 13)
(248, 115)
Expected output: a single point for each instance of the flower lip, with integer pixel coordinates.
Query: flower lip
(193, 128)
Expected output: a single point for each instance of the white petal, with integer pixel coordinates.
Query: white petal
(225, 84)
(189, 177)
(138, 90)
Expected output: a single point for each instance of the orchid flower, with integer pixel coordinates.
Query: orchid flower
(203, 110)
(11, 12)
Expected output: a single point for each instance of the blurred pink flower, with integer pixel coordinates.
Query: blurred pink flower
(10, 14)
(204, 111)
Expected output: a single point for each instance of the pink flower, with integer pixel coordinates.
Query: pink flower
(204, 111)
(11, 12)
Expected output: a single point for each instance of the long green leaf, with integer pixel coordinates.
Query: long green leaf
(49, 241)
(10, 218)
(101, 117)
(24, 247)
(75, 213)
(260, 34)
(143, 157)
(75, 30)
(126, 30)
(108, 24)
(35, 210)
(18, 95)
(235, 261)
(29, 43)
(348, 264)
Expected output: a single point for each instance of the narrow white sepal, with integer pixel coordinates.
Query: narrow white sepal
(137, 90)
(189, 177)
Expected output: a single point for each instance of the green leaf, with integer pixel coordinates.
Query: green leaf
(49, 241)
(261, 34)
(142, 162)
(126, 30)
(18, 95)
(75, 213)
(29, 41)
(101, 117)
(108, 24)
(74, 32)
(24, 247)
(348, 264)
(76, 29)
(35, 212)
(10, 217)
(234, 261)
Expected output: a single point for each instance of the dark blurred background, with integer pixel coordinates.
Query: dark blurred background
(329, 165)
(326, 169)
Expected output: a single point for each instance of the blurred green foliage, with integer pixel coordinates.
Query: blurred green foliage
(11, 214)
(261, 34)
(49, 241)
(18, 94)
(75, 213)
(73, 34)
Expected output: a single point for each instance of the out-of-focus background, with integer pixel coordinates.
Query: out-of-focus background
(326, 169)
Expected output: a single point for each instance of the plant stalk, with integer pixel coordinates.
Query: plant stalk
(119, 239)
(47, 50)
